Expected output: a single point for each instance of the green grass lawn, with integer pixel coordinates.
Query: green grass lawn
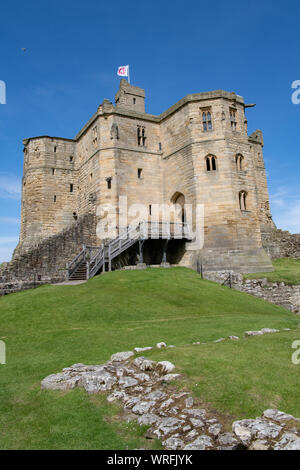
(285, 270)
(52, 327)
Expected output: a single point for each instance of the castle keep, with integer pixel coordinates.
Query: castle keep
(196, 152)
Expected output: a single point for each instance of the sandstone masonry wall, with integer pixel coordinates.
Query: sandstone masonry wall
(281, 243)
(279, 293)
(46, 262)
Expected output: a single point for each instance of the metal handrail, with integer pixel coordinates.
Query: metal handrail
(127, 238)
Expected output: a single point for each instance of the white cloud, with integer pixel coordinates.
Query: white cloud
(287, 216)
(10, 186)
(279, 198)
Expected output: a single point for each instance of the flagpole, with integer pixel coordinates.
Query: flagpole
(128, 75)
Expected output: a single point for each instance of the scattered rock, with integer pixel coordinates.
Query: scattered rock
(215, 429)
(147, 398)
(289, 441)
(148, 419)
(253, 333)
(173, 443)
(233, 337)
(143, 407)
(170, 377)
(227, 439)
(242, 432)
(166, 426)
(198, 423)
(144, 364)
(191, 435)
(156, 395)
(166, 404)
(196, 413)
(127, 382)
(189, 402)
(201, 443)
(59, 382)
(277, 415)
(248, 429)
(269, 330)
(143, 349)
(93, 383)
(259, 445)
(219, 340)
(116, 396)
(165, 367)
(121, 356)
(161, 345)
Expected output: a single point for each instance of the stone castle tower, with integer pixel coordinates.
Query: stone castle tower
(197, 151)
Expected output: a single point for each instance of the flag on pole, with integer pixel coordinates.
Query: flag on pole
(123, 71)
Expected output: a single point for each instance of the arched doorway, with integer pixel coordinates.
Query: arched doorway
(179, 199)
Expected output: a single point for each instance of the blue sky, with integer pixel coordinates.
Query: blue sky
(174, 48)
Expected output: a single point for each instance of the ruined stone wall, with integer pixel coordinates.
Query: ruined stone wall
(280, 243)
(279, 293)
(46, 261)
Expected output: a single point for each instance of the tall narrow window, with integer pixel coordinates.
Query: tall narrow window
(243, 200)
(211, 163)
(54, 199)
(206, 119)
(159, 146)
(239, 162)
(207, 163)
(140, 170)
(53, 171)
(54, 149)
(232, 112)
(134, 100)
(71, 159)
(108, 181)
(71, 187)
(141, 136)
(150, 209)
(95, 135)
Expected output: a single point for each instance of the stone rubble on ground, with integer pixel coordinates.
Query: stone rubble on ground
(147, 348)
(141, 385)
(161, 345)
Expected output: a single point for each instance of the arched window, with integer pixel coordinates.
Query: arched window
(243, 200)
(207, 163)
(206, 120)
(211, 163)
(239, 162)
(232, 112)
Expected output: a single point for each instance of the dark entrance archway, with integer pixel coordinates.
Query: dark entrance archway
(179, 199)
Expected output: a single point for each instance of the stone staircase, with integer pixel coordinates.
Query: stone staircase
(92, 260)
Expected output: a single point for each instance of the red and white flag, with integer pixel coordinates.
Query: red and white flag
(123, 71)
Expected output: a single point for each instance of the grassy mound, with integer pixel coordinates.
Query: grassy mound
(285, 270)
(52, 327)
